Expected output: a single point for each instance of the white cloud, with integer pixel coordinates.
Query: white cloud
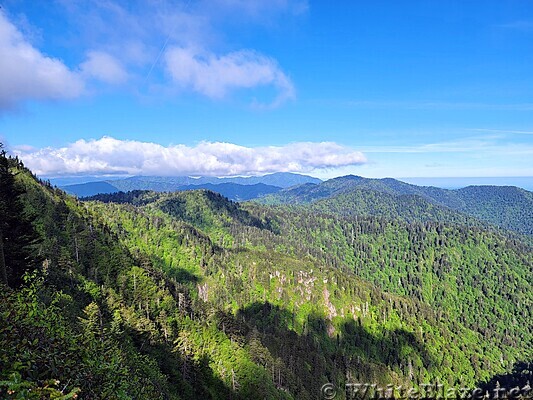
(26, 73)
(112, 156)
(214, 76)
(177, 43)
(163, 44)
(104, 67)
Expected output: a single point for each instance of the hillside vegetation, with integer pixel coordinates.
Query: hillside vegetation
(191, 296)
(504, 206)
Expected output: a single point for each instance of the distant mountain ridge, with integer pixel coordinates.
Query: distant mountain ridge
(280, 179)
(187, 295)
(508, 207)
(524, 182)
(232, 191)
(90, 188)
(235, 188)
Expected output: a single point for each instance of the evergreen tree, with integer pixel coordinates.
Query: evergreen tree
(17, 235)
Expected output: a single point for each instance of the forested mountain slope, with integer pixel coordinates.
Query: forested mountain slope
(188, 295)
(504, 206)
(420, 251)
(407, 207)
(478, 276)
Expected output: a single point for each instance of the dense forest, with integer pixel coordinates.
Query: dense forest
(188, 295)
(503, 206)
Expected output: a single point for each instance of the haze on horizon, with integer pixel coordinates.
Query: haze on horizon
(230, 87)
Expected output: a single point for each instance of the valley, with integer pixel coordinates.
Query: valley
(197, 296)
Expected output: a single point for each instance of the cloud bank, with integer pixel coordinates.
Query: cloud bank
(112, 156)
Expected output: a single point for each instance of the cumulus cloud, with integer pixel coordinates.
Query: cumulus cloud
(112, 156)
(104, 67)
(26, 73)
(163, 44)
(214, 76)
(176, 44)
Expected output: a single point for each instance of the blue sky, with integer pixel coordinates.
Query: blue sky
(225, 87)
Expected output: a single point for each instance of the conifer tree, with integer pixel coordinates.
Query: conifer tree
(17, 235)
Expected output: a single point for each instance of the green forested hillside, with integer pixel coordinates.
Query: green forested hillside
(477, 276)
(504, 206)
(190, 296)
(302, 236)
(408, 208)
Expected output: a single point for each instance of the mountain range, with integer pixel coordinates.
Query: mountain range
(189, 295)
(507, 207)
(235, 188)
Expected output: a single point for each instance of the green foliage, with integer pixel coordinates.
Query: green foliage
(17, 235)
(188, 295)
(270, 261)
(478, 278)
(504, 206)
(17, 388)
